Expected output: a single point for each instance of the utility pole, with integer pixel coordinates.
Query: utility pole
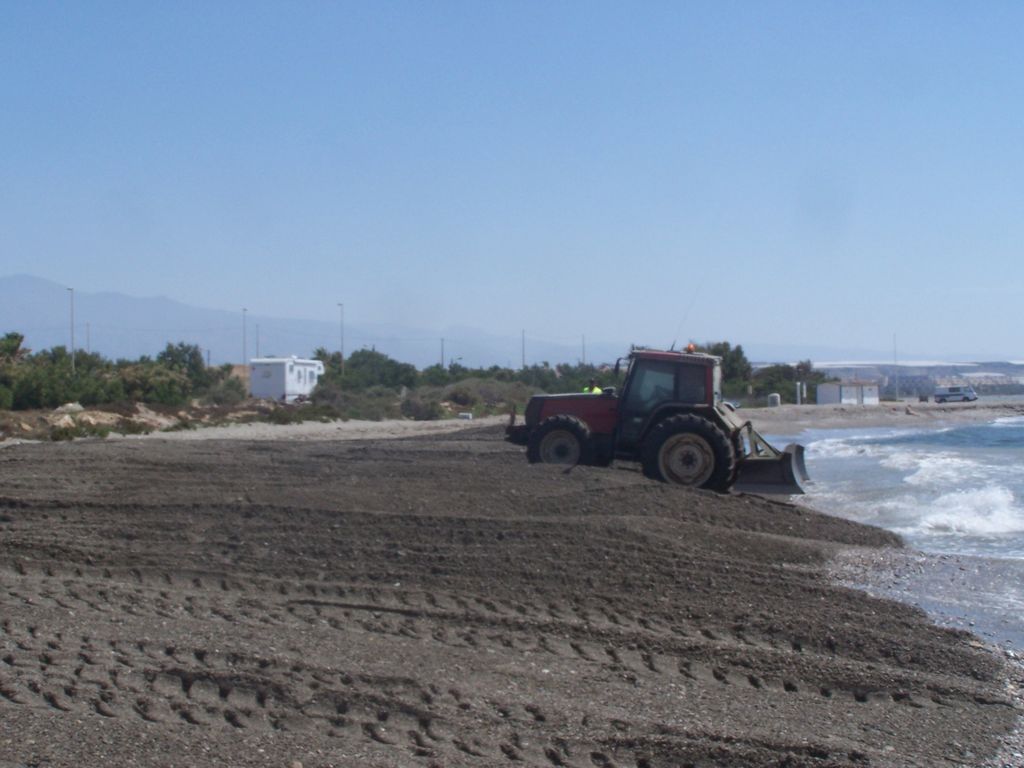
(245, 351)
(584, 349)
(88, 346)
(257, 339)
(72, 292)
(524, 349)
(341, 334)
(442, 352)
(896, 367)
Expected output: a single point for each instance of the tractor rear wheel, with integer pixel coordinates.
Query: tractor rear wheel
(689, 450)
(558, 440)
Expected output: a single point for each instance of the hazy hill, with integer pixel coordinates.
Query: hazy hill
(120, 326)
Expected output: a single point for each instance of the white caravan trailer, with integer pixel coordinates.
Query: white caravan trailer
(283, 378)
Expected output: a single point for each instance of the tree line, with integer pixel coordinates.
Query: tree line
(370, 384)
(52, 377)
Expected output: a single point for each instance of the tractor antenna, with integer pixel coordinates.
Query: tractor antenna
(686, 314)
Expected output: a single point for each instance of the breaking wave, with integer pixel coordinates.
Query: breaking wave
(981, 512)
(957, 490)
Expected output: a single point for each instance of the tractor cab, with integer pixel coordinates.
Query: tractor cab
(656, 381)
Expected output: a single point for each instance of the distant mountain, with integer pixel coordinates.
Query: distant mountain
(120, 326)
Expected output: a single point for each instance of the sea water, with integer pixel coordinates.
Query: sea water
(952, 490)
(956, 492)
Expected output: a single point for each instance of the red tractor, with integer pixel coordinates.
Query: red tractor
(670, 417)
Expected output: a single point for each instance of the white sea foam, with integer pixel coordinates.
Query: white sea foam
(1009, 421)
(989, 511)
(839, 448)
(959, 489)
(935, 469)
(869, 444)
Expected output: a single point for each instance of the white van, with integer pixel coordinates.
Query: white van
(964, 394)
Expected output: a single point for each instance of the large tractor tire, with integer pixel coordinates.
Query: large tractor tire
(559, 440)
(689, 450)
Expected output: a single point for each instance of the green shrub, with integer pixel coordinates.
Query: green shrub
(58, 434)
(421, 408)
(460, 395)
(183, 425)
(297, 414)
(367, 369)
(284, 415)
(153, 383)
(6, 398)
(372, 404)
(132, 427)
(486, 396)
(229, 391)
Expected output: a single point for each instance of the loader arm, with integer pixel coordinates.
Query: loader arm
(760, 466)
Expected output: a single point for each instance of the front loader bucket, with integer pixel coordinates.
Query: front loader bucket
(773, 472)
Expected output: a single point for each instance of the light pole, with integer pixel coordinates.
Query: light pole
(244, 350)
(341, 335)
(71, 291)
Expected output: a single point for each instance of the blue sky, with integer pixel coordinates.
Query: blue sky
(818, 174)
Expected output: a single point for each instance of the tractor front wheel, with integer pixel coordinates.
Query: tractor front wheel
(689, 450)
(558, 440)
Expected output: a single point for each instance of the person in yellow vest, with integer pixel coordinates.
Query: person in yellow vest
(592, 388)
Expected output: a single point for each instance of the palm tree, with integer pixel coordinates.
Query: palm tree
(11, 351)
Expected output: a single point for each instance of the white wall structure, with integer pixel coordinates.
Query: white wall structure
(283, 378)
(852, 393)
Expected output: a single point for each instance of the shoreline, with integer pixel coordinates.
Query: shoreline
(791, 419)
(781, 420)
(960, 592)
(947, 589)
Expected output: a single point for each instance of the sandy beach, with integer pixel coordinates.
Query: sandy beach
(791, 419)
(416, 594)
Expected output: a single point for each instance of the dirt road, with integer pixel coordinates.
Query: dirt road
(436, 601)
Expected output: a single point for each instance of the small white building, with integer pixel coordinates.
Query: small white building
(848, 393)
(283, 378)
